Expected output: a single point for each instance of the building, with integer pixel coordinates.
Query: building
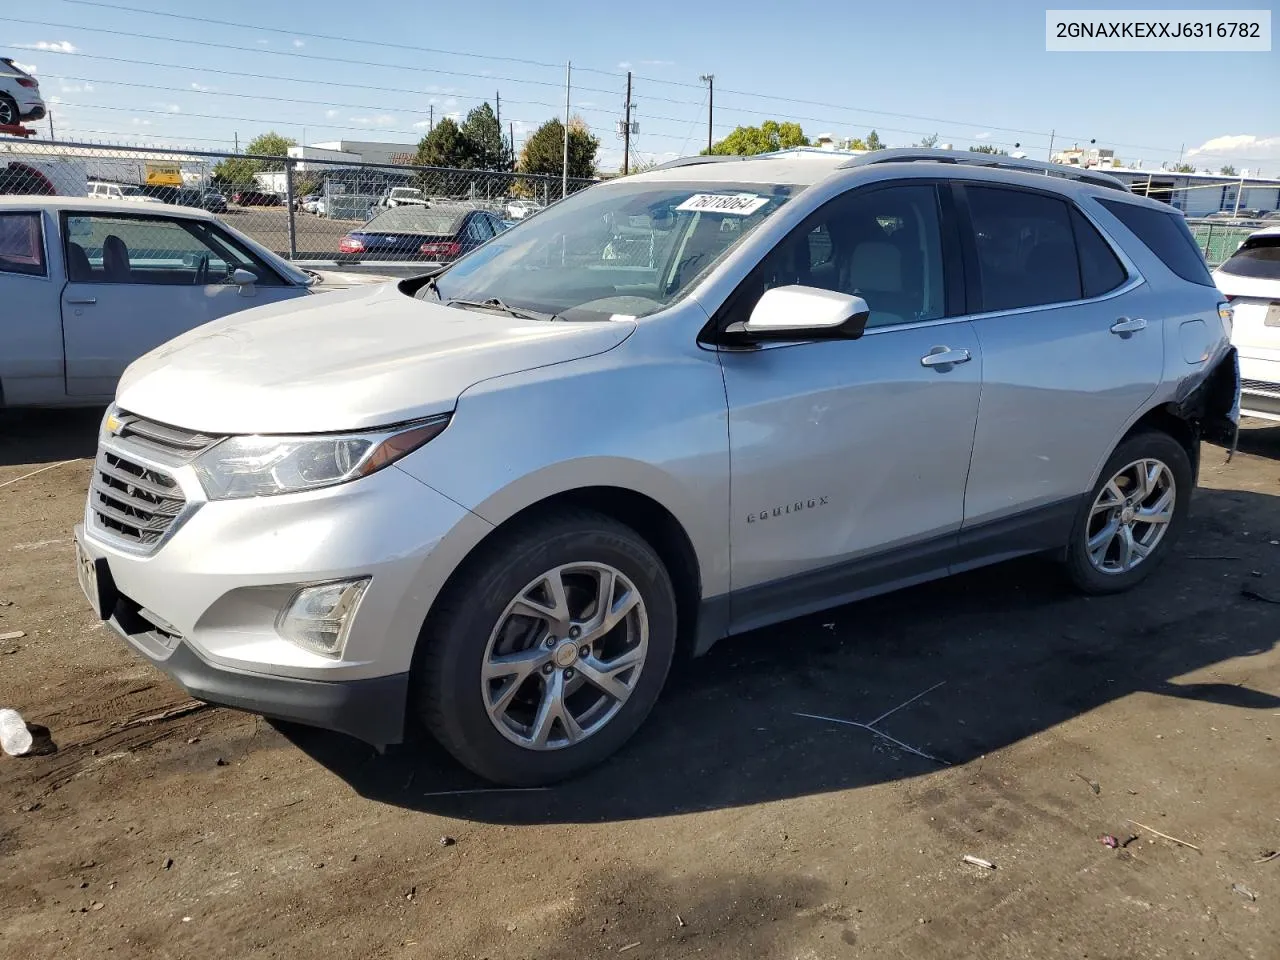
(1201, 194)
(365, 151)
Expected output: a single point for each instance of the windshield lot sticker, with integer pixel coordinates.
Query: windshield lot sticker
(738, 204)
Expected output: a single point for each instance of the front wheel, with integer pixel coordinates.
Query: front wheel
(548, 650)
(1131, 519)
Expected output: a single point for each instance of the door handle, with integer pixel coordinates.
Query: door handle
(944, 356)
(82, 300)
(1125, 325)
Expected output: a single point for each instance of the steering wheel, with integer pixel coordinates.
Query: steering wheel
(202, 270)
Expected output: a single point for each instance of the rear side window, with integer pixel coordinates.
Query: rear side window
(1026, 248)
(1100, 268)
(21, 244)
(1258, 258)
(1167, 236)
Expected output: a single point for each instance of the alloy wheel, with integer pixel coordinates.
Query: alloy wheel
(565, 656)
(1130, 516)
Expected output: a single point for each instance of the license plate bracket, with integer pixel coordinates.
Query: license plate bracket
(95, 580)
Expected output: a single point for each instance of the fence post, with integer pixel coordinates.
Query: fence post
(288, 200)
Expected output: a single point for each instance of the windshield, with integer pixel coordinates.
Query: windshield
(625, 248)
(1259, 257)
(426, 221)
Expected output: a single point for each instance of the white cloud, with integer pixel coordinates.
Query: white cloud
(984, 135)
(456, 117)
(624, 65)
(139, 122)
(421, 124)
(173, 108)
(1245, 146)
(657, 63)
(299, 43)
(75, 87)
(451, 102)
(331, 114)
(262, 43)
(381, 120)
(201, 88)
(56, 99)
(25, 67)
(49, 46)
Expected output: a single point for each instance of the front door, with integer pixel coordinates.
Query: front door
(137, 281)
(31, 354)
(849, 457)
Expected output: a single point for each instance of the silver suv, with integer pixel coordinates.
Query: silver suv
(502, 498)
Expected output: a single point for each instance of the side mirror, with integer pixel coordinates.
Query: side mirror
(244, 279)
(805, 313)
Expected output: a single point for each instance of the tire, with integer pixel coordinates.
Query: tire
(474, 623)
(1095, 568)
(9, 115)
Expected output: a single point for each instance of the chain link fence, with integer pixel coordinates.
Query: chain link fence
(1219, 239)
(302, 208)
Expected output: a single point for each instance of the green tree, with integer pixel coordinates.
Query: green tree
(856, 143)
(766, 138)
(444, 146)
(239, 171)
(988, 148)
(928, 142)
(1228, 171)
(489, 148)
(543, 151)
(1184, 168)
(874, 142)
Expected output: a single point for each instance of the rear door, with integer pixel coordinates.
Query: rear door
(30, 333)
(1070, 353)
(137, 281)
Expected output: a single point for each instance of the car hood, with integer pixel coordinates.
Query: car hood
(363, 357)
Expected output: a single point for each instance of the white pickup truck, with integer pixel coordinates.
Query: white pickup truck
(403, 197)
(116, 191)
(90, 285)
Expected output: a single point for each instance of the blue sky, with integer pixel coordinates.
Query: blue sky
(975, 73)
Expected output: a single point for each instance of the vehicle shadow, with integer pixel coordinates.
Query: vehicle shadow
(36, 437)
(945, 672)
(1261, 438)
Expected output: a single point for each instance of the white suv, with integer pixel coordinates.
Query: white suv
(502, 496)
(19, 95)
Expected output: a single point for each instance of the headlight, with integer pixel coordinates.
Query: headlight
(261, 466)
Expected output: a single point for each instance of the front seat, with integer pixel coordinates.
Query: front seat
(115, 260)
(875, 274)
(79, 269)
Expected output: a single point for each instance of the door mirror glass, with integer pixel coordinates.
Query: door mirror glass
(804, 313)
(242, 277)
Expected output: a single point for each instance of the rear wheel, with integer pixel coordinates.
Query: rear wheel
(9, 115)
(549, 649)
(1130, 521)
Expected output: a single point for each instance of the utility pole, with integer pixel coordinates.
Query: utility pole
(511, 127)
(626, 130)
(1180, 151)
(710, 80)
(51, 136)
(1239, 192)
(1051, 133)
(564, 171)
(431, 118)
(497, 106)
(237, 135)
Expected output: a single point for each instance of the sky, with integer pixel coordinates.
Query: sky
(123, 71)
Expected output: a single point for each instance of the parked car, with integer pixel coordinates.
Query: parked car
(91, 285)
(213, 201)
(255, 198)
(519, 209)
(402, 197)
(439, 233)
(501, 496)
(20, 98)
(1250, 278)
(119, 191)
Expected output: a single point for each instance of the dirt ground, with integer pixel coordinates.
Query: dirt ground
(732, 826)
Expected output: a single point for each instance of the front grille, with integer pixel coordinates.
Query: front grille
(1266, 386)
(134, 502)
(160, 438)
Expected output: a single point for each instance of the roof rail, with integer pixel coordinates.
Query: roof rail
(693, 161)
(973, 159)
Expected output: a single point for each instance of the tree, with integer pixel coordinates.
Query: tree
(856, 143)
(874, 142)
(239, 171)
(270, 144)
(543, 151)
(489, 148)
(1228, 171)
(988, 148)
(928, 142)
(766, 138)
(444, 146)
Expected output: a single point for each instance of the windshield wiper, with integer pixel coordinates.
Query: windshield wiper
(493, 303)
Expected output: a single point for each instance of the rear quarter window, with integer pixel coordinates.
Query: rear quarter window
(1166, 235)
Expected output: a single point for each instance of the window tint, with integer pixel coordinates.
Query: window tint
(1100, 268)
(882, 245)
(480, 228)
(1167, 236)
(154, 250)
(1259, 257)
(1026, 250)
(21, 244)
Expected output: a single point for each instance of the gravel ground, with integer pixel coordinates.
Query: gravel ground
(731, 826)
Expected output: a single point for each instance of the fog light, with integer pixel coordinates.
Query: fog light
(318, 617)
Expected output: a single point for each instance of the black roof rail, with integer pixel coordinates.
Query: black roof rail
(973, 159)
(693, 161)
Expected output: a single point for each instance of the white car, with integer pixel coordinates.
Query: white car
(519, 209)
(20, 98)
(403, 197)
(1250, 278)
(119, 191)
(90, 285)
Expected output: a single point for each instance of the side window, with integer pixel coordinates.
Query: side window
(1025, 246)
(479, 228)
(22, 244)
(1100, 269)
(1167, 236)
(884, 245)
(152, 250)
